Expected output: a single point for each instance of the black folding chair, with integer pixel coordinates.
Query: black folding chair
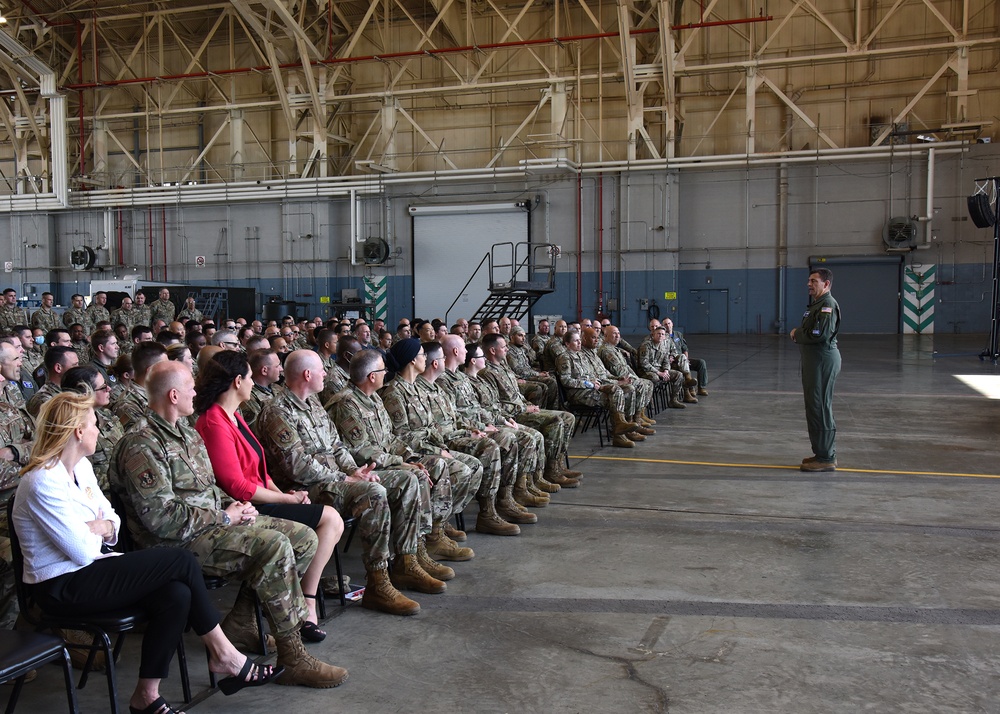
(100, 625)
(21, 652)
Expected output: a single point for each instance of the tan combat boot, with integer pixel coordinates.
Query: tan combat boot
(431, 566)
(642, 429)
(689, 397)
(622, 442)
(644, 418)
(675, 402)
(635, 436)
(240, 625)
(511, 510)
(381, 595)
(441, 547)
(690, 381)
(302, 668)
(454, 533)
(554, 475)
(489, 521)
(544, 485)
(567, 472)
(406, 574)
(524, 495)
(619, 424)
(702, 392)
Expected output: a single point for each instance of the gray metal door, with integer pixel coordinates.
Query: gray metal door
(868, 294)
(709, 312)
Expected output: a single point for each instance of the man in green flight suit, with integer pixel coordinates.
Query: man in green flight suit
(817, 341)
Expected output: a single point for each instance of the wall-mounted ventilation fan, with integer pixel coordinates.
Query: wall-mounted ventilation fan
(900, 233)
(376, 251)
(82, 258)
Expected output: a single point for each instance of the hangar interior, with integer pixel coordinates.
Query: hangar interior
(694, 154)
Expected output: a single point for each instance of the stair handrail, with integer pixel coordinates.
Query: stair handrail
(487, 257)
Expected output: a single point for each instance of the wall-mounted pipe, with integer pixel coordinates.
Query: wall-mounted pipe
(928, 218)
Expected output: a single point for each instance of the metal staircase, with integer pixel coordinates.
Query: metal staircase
(520, 273)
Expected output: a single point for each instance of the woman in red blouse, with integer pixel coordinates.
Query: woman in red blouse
(224, 383)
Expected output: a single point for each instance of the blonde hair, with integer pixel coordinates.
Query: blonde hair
(58, 419)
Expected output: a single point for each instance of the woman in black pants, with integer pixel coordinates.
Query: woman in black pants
(65, 525)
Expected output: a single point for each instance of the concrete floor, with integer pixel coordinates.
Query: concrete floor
(702, 572)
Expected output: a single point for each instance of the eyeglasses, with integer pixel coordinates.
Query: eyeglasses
(103, 388)
(231, 344)
(384, 369)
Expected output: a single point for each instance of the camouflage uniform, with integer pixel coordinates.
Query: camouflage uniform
(166, 481)
(250, 409)
(556, 426)
(655, 358)
(337, 380)
(11, 393)
(619, 368)
(82, 349)
(304, 451)
(442, 409)
(78, 315)
(42, 395)
(367, 432)
(132, 406)
(129, 318)
(33, 359)
(413, 423)
(97, 313)
(473, 413)
(577, 368)
(110, 433)
(143, 315)
(162, 310)
(44, 318)
(184, 315)
(10, 316)
(520, 360)
(13, 432)
(550, 354)
(538, 343)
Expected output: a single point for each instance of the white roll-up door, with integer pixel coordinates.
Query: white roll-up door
(448, 243)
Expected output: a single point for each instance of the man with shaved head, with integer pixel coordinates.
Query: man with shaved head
(554, 347)
(304, 452)
(165, 478)
(615, 361)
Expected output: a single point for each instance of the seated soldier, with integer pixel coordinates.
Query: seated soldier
(165, 478)
(266, 369)
(654, 365)
(697, 365)
(413, 422)
(58, 361)
(133, 404)
(617, 363)
(555, 426)
(366, 427)
(523, 360)
(587, 382)
(303, 451)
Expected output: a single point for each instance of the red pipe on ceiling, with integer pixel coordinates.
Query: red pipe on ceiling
(408, 54)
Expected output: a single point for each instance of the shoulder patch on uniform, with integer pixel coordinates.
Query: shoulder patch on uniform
(146, 479)
(285, 437)
(356, 434)
(826, 309)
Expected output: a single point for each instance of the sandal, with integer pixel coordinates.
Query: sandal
(252, 675)
(310, 631)
(158, 706)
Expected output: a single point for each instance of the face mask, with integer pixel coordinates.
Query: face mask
(40, 340)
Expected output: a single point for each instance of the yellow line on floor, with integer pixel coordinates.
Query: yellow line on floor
(782, 466)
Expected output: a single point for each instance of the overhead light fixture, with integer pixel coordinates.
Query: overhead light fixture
(3, 20)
